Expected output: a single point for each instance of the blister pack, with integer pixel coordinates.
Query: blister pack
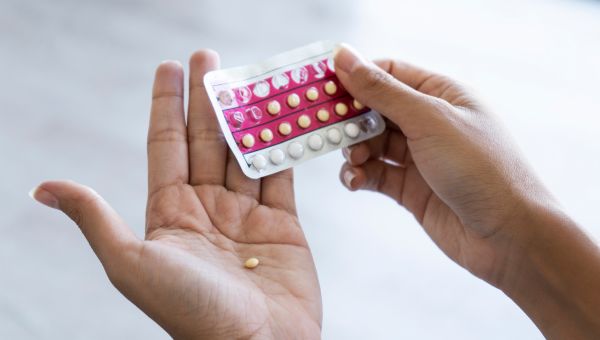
(288, 109)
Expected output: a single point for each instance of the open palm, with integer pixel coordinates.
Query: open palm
(204, 219)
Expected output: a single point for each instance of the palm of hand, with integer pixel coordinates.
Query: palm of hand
(204, 218)
(191, 266)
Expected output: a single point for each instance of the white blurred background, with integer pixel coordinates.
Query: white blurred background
(75, 79)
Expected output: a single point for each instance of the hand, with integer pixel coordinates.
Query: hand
(447, 160)
(443, 157)
(204, 218)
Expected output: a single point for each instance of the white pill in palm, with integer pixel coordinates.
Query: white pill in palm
(315, 142)
(296, 150)
(352, 130)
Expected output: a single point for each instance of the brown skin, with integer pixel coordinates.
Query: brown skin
(443, 157)
(204, 219)
(447, 160)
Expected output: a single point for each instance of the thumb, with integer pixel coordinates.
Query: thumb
(110, 238)
(411, 110)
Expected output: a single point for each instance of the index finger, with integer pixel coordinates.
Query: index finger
(207, 148)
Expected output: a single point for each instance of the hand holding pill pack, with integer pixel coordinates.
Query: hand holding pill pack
(287, 110)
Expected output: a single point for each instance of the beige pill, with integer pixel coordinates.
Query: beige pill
(293, 100)
(341, 109)
(304, 121)
(285, 128)
(248, 140)
(266, 135)
(273, 107)
(312, 94)
(323, 115)
(251, 263)
(357, 105)
(330, 88)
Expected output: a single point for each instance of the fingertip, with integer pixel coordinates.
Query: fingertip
(168, 79)
(351, 177)
(359, 154)
(44, 197)
(203, 57)
(169, 68)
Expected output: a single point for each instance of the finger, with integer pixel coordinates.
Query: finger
(236, 180)
(278, 191)
(207, 148)
(428, 82)
(409, 74)
(167, 141)
(374, 176)
(110, 238)
(411, 110)
(405, 185)
(390, 146)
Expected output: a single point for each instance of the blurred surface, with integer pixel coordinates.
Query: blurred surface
(74, 101)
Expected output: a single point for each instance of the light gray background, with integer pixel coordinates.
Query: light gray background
(75, 80)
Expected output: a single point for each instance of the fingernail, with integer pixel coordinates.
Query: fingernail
(172, 61)
(44, 197)
(348, 177)
(346, 58)
(346, 153)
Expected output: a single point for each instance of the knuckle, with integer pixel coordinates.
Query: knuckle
(375, 80)
(205, 134)
(166, 135)
(78, 206)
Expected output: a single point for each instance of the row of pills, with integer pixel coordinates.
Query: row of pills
(304, 121)
(274, 107)
(293, 100)
(315, 142)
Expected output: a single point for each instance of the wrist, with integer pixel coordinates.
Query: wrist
(552, 272)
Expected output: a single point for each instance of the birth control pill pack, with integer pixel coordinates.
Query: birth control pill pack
(288, 109)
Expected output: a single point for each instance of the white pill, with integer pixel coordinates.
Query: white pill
(277, 156)
(315, 142)
(259, 162)
(334, 136)
(352, 130)
(296, 150)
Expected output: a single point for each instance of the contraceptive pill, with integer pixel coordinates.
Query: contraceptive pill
(330, 87)
(251, 263)
(315, 142)
(323, 115)
(296, 150)
(277, 156)
(248, 140)
(341, 109)
(357, 105)
(285, 128)
(259, 162)
(351, 130)
(273, 107)
(293, 100)
(334, 136)
(304, 121)
(266, 135)
(312, 94)
(287, 110)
